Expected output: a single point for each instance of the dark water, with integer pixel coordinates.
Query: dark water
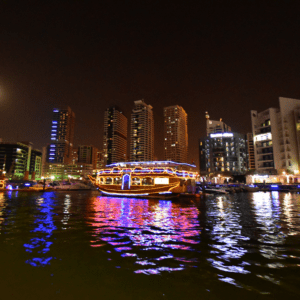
(79, 245)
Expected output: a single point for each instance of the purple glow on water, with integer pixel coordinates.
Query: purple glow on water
(145, 226)
(119, 249)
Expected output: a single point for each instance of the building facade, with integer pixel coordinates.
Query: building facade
(62, 136)
(213, 126)
(142, 132)
(35, 168)
(250, 152)
(85, 154)
(175, 134)
(99, 160)
(91, 155)
(276, 136)
(62, 172)
(20, 161)
(223, 152)
(115, 136)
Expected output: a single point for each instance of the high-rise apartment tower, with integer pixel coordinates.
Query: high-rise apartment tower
(222, 150)
(62, 136)
(142, 132)
(276, 136)
(175, 134)
(115, 136)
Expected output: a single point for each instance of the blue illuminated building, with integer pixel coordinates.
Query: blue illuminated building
(62, 136)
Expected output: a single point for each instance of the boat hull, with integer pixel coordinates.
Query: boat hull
(141, 191)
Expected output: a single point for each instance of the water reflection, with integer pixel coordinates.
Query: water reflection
(291, 214)
(2, 208)
(66, 210)
(148, 231)
(247, 244)
(226, 235)
(267, 215)
(39, 246)
(274, 217)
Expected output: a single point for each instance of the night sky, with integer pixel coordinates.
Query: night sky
(224, 57)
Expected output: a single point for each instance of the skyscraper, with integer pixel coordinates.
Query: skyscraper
(115, 136)
(142, 132)
(175, 134)
(62, 136)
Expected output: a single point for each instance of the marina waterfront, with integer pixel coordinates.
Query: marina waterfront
(80, 245)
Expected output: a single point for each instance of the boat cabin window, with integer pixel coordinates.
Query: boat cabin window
(148, 181)
(118, 180)
(101, 180)
(136, 181)
(108, 180)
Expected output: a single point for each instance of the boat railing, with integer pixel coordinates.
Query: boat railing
(178, 173)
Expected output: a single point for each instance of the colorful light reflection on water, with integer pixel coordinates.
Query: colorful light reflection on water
(39, 245)
(135, 227)
(241, 242)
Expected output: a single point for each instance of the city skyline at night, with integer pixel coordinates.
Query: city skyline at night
(203, 56)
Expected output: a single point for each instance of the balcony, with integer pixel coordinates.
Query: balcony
(261, 146)
(265, 160)
(264, 153)
(265, 168)
(258, 128)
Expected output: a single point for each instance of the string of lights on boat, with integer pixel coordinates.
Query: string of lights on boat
(158, 168)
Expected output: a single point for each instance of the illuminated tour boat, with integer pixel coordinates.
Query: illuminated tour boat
(140, 179)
